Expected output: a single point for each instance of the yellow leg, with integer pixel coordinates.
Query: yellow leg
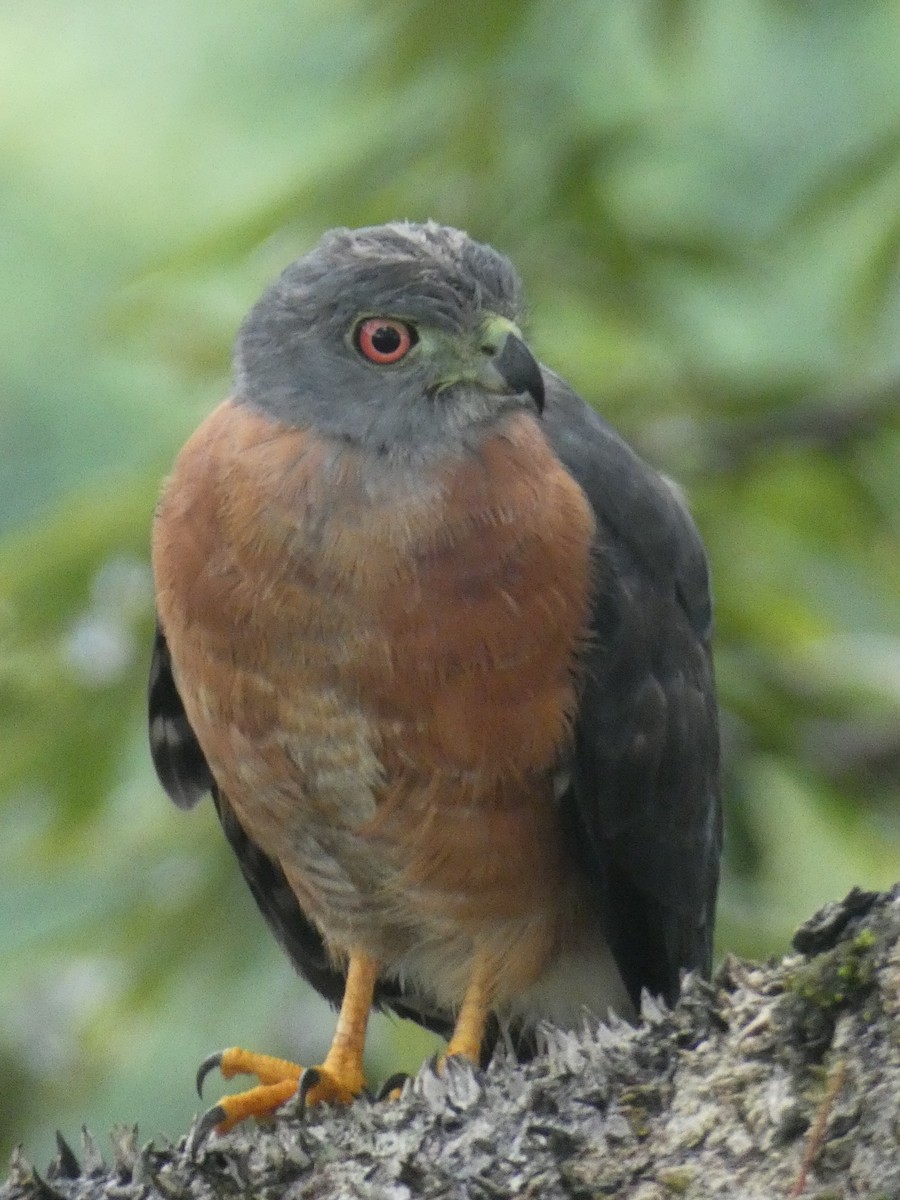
(341, 1074)
(337, 1080)
(468, 1032)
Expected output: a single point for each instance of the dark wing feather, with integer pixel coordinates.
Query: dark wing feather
(185, 774)
(180, 764)
(643, 809)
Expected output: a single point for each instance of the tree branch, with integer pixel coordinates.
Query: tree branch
(776, 1080)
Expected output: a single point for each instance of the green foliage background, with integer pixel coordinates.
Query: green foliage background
(704, 200)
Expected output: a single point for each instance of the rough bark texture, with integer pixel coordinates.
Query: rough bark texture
(773, 1080)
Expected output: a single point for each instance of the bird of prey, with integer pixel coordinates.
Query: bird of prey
(437, 641)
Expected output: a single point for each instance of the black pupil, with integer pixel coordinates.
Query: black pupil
(386, 339)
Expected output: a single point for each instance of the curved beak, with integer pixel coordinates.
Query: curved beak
(520, 369)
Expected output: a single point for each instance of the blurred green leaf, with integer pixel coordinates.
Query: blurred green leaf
(849, 180)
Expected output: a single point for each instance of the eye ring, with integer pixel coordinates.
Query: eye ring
(384, 340)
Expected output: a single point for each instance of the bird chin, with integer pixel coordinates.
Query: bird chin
(466, 406)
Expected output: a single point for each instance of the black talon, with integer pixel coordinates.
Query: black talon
(211, 1118)
(390, 1084)
(308, 1080)
(209, 1064)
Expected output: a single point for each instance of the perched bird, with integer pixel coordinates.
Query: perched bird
(437, 642)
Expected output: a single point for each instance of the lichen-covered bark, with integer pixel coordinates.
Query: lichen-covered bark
(771, 1081)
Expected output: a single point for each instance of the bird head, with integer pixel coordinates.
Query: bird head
(401, 338)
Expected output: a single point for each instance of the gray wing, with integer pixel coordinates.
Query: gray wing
(642, 810)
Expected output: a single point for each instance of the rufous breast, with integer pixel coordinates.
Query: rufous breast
(380, 661)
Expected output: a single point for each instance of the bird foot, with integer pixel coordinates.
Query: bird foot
(337, 1081)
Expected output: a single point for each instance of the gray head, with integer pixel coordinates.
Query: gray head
(397, 337)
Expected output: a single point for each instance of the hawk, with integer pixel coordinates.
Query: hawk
(437, 642)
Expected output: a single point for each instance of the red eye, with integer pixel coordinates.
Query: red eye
(382, 340)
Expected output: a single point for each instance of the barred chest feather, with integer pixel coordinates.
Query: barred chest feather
(380, 666)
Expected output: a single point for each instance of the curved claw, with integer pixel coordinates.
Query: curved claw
(392, 1086)
(307, 1081)
(206, 1124)
(212, 1063)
